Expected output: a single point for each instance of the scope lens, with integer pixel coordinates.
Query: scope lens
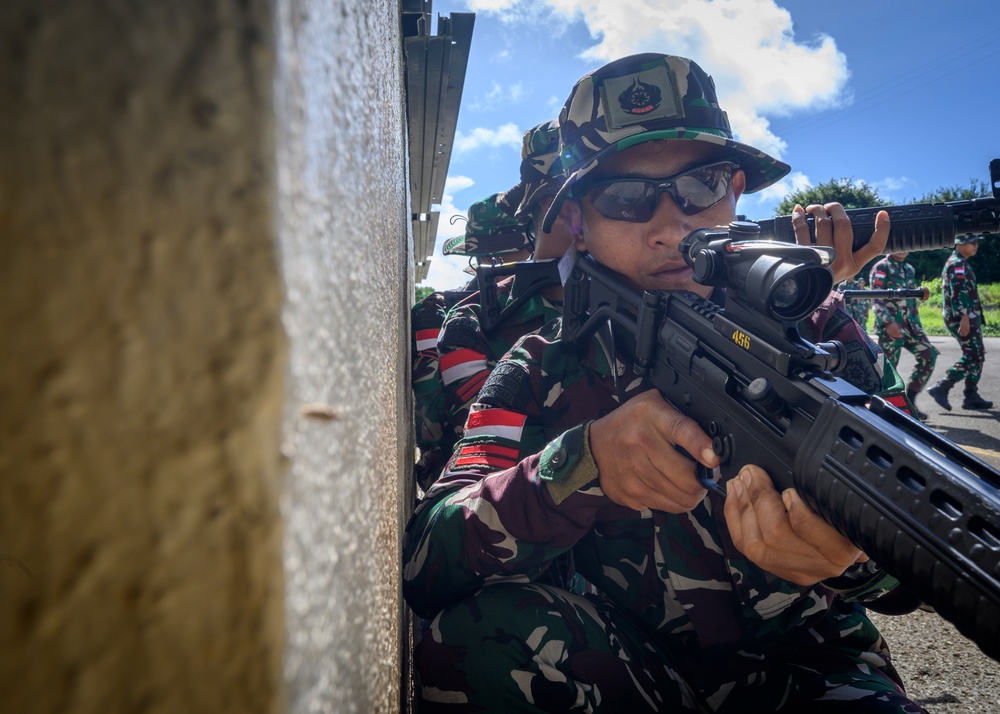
(786, 293)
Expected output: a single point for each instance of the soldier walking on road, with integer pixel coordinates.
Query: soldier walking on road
(897, 322)
(963, 316)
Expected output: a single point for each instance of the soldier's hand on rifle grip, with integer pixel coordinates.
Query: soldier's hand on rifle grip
(833, 228)
(781, 534)
(638, 466)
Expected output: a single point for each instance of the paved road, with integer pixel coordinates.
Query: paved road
(940, 667)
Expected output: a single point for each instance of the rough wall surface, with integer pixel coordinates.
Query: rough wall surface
(141, 383)
(343, 227)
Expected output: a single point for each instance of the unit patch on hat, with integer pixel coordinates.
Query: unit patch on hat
(641, 97)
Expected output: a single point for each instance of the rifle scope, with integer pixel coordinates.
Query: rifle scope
(786, 282)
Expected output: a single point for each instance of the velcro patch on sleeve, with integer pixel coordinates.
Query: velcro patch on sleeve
(461, 332)
(508, 386)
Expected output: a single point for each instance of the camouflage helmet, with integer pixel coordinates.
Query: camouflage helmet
(966, 238)
(490, 231)
(642, 98)
(541, 171)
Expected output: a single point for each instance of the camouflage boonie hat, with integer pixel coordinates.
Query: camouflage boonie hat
(642, 98)
(967, 238)
(541, 171)
(489, 231)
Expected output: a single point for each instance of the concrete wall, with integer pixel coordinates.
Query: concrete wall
(203, 407)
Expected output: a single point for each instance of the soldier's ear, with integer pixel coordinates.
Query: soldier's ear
(572, 214)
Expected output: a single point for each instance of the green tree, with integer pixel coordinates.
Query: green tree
(421, 293)
(845, 191)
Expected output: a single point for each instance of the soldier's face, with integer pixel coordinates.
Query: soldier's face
(647, 252)
(967, 250)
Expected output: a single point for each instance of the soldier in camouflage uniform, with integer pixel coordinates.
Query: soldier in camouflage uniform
(897, 322)
(963, 316)
(468, 351)
(858, 309)
(743, 601)
(490, 233)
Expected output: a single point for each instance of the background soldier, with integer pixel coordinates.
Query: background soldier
(897, 322)
(963, 316)
(489, 233)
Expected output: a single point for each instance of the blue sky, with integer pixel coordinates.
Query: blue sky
(902, 95)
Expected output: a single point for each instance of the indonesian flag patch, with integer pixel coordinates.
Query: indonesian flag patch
(461, 364)
(500, 423)
(427, 339)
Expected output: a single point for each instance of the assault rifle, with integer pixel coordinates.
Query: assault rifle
(916, 503)
(919, 226)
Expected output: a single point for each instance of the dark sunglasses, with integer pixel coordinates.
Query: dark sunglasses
(635, 199)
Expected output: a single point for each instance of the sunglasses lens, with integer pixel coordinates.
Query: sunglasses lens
(632, 201)
(635, 200)
(702, 188)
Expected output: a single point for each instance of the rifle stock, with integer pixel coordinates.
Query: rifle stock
(920, 506)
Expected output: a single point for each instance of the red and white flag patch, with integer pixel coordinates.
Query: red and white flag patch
(427, 339)
(501, 423)
(461, 364)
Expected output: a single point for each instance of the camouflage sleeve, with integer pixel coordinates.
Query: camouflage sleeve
(465, 359)
(432, 433)
(509, 502)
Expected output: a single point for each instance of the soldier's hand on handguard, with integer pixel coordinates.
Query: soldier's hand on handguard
(833, 228)
(781, 534)
(638, 466)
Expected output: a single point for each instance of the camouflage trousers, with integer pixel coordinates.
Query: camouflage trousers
(915, 342)
(527, 647)
(970, 365)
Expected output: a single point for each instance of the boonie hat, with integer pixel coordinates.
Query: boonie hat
(490, 230)
(541, 171)
(648, 97)
(967, 238)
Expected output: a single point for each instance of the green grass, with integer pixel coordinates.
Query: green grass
(930, 311)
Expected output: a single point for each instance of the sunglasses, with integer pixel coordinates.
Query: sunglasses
(635, 199)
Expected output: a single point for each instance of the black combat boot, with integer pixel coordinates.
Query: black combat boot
(940, 393)
(973, 400)
(922, 416)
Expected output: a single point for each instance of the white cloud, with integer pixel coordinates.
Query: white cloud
(748, 46)
(893, 185)
(498, 97)
(506, 135)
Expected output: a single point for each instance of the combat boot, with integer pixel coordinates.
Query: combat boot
(939, 392)
(973, 400)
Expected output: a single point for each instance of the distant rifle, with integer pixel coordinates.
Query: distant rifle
(915, 502)
(902, 294)
(919, 226)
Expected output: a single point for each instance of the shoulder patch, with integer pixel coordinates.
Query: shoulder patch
(507, 386)
(460, 332)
